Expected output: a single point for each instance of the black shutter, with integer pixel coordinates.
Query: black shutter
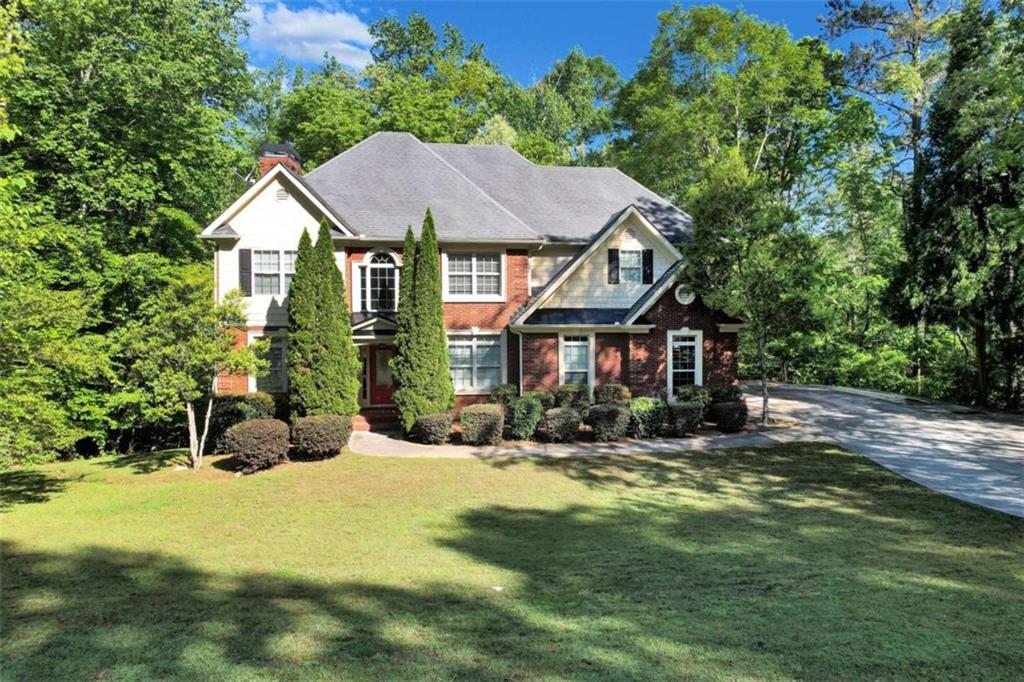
(613, 266)
(245, 271)
(648, 266)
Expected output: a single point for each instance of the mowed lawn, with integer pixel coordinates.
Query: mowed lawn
(795, 562)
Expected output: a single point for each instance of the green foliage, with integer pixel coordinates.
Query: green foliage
(647, 417)
(546, 398)
(608, 421)
(524, 416)
(695, 394)
(482, 424)
(573, 395)
(229, 410)
(258, 443)
(302, 352)
(321, 436)
(723, 392)
(432, 429)
(503, 394)
(611, 393)
(403, 370)
(496, 130)
(729, 417)
(685, 418)
(562, 424)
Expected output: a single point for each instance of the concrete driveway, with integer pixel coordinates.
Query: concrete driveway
(974, 457)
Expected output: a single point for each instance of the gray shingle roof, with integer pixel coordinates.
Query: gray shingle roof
(581, 316)
(478, 193)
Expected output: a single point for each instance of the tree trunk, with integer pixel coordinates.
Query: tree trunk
(206, 429)
(762, 357)
(193, 440)
(981, 359)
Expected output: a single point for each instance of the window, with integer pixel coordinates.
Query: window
(576, 360)
(685, 350)
(474, 361)
(471, 275)
(269, 268)
(631, 267)
(275, 379)
(378, 283)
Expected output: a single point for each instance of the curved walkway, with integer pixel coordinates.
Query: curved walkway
(972, 456)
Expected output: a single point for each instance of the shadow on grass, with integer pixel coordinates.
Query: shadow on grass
(782, 570)
(149, 462)
(27, 486)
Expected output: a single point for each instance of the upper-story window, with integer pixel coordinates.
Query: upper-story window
(473, 276)
(631, 266)
(378, 283)
(270, 269)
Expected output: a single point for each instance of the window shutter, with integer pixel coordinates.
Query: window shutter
(648, 266)
(613, 266)
(245, 271)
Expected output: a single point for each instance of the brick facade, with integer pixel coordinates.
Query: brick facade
(540, 362)
(234, 383)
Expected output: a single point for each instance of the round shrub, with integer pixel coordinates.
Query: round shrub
(573, 395)
(503, 394)
(722, 392)
(321, 436)
(229, 410)
(686, 417)
(562, 424)
(546, 398)
(694, 394)
(608, 421)
(433, 429)
(482, 424)
(258, 443)
(524, 416)
(730, 417)
(611, 393)
(647, 416)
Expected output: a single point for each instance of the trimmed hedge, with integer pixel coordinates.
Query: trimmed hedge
(611, 393)
(608, 421)
(647, 416)
(503, 394)
(524, 416)
(686, 418)
(694, 394)
(258, 443)
(725, 393)
(482, 424)
(433, 429)
(321, 436)
(730, 417)
(546, 398)
(573, 395)
(562, 424)
(229, 410)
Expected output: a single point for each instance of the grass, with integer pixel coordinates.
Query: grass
(795, 562)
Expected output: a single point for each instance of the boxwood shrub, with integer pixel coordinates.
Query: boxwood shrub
(608, 421)
(562, 424)
(686, 417)
(611, 393)
(258, 443)
(503, 394)
(524, 416)
(694, 394)
(546, 398)
(647, 416)
(229, 410)
(482, 424)
(321, 436)
(573, 395)
(730, 417)
(433, 429)
(722, 392)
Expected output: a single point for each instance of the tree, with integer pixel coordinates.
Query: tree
(184, 342)
(402, 371)
(301, 355)
(337, 368)
(496, 131)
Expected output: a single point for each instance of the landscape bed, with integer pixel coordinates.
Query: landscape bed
(797, 561)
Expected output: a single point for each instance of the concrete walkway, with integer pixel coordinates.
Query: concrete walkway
(974, 457)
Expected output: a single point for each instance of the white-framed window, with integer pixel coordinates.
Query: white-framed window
(473, 276)
(269, 269)
(576, 359)
(685, 359)
(631, 266)
(276, 378)
(377, 282)
(476, 360)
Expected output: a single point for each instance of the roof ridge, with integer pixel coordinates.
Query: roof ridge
(475, 186)
(341, 154)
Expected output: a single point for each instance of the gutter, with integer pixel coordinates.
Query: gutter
(553, 328)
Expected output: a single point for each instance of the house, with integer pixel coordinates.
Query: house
(551, 275)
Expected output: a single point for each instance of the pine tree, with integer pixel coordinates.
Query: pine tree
(302, 332)
(337, 370)
(404, 335)
(431, 357)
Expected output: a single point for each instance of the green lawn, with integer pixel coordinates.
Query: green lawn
(792, 562)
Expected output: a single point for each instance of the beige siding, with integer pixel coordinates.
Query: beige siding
(588, 286)
(546, 262)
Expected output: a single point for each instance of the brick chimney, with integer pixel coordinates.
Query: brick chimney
(272, 154)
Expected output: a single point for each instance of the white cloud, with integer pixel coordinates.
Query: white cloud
(306, 34)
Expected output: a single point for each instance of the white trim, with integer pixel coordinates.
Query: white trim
(659, 292)
(698, 362)
(357, 280)
(474, 298)
(375, 318)
(503, 345)
(591, 360)
(684, 297)
(261, 184)
(731, 327)
(271, 334)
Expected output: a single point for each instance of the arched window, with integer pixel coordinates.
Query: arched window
(378, 282)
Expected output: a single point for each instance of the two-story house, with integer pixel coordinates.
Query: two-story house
(551, 275)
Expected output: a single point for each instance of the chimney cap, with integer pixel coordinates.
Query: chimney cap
(280, 149)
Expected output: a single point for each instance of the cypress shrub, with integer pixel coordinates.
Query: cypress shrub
(686, 417)
(611, 393)
(608, 421)
(258, 443)
(302, 351)
(405, 334)
(546, 398)
(482, 424)
(229, 410)
(337, 368)
(730, 417)
(647, 417)
(321, 436)
(562, 424)
(524, 415)
(433, 429)
(503, 394)
(572, 395)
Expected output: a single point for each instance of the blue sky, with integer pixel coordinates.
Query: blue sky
(523, 38)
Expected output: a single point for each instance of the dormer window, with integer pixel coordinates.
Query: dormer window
(378, 283)
(631, 266)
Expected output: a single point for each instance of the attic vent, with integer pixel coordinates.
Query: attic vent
(282, 194)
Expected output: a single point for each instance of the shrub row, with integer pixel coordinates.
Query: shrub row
(263, 443)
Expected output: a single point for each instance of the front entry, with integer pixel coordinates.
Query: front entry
(382, 387)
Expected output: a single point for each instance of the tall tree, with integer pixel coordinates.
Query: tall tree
(402, 361)
(337, 368)
(302, 331)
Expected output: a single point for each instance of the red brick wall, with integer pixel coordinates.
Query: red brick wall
(235, 383)
(611, 358)
(540, 362)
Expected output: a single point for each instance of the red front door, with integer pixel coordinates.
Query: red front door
(382, 388)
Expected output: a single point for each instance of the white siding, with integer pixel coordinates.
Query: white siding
(588, 286)
(548, 261)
